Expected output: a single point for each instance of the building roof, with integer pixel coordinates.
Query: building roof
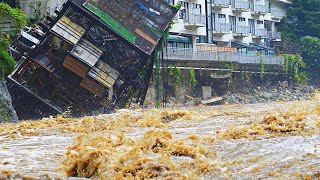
(140, 22)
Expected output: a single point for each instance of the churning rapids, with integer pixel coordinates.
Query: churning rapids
(230, 141)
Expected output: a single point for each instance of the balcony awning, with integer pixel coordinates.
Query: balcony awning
(176, 38)
(261, 47)
(242, 45)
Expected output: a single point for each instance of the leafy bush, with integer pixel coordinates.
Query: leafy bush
(6, 61)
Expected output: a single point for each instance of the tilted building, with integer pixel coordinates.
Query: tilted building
(94, 55)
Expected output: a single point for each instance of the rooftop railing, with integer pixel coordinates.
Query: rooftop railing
(189, 54)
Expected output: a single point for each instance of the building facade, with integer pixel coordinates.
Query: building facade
(227, 23)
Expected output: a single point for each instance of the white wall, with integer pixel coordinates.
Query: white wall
(180, 28)
(179, 25)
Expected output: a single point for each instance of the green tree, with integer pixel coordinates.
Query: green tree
(6, 61)
(19, 20)
(302, 25)
(310, 52)
(16, 15)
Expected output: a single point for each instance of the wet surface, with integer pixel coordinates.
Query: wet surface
(293, 155)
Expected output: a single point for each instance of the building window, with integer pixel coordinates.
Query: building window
(171, 2)
(222, 18)
(184, 9)
(259, 22)
(202, 39)
(233, 23)
(241, 19)
(251, 26)
(196, 8)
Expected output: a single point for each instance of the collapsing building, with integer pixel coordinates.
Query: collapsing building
(94, 55)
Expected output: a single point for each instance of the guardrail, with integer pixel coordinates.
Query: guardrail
(222, 27)
(221, 2)
(193, 18)
(242, 29)
(188, 54)
(274, 34)
(260, 9)
(277, 12)
(240, 4)
(261, 32)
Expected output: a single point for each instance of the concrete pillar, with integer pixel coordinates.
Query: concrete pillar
(194, 42)
(206, 92)
(181, 94)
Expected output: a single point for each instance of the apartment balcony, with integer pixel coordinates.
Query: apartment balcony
(277, 13)
(274, 35)
(192, 20)
(259, 10)
(240, 6)
(220, 3)
(260, 33)
(241, 31)
(221, 28)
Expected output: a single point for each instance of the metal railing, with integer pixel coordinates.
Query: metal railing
(193, 18)
(274, 34)
(221, 2)
(240, 4)
(222, 27)
(242, 29)
(261, 32)
(259, 8)
(277, 12)
(188, 54)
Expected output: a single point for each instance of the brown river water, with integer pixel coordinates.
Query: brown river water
(256, 141)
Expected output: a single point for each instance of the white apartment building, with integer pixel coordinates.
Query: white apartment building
(232, 23)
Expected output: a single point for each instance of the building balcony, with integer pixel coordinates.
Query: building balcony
(259, 10)
(240, 5)
(260, 33)
(274, 35)
(277, 13)
(192, 20)
(221, 28)
(241, 31)
(221, 3)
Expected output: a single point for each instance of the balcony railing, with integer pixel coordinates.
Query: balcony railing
(260, 9)
(261, 32)
(222, 27)
(189, 54)
(274, 35)
(242, 30)
(277, 13)
(195, 19)
(221, 3)
(240, 5)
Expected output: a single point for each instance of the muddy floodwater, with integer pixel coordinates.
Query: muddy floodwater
(268, 141)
